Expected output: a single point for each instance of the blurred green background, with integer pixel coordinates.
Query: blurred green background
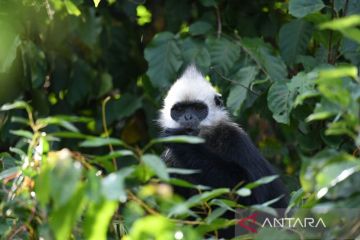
(287, 70)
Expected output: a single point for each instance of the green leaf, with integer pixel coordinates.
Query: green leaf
(178, 139)
(279, 102)
(22, 133)
(71, 8)
(223, 53)
(75, 135)
(301, 8)
(281, 96)
(217, 213)
(125, 106)
(153, 227)
(341, 23)
(15, 105)
(99, 142)
(164, 58)
(143, 14)
(194, 52)
(333, 174)
(182, 171)
(261, 181)
(62, 220)
(114, 154)
(200, 28)
(274, 234)
(293, 39)
(319, 116)
(157, 165)
(263, 55)
(64, 179)
(243, 192)
(106, 84)
(96, 2)
(57, 121)
(9, 43)
(97, 219)
(8, 172)
(113, 185)
(244, 76)
(197, 200)
(35, 61)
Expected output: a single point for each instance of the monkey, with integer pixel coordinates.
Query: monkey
(227, 157)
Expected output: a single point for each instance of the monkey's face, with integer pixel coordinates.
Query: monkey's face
(191, 104)
(189, 114)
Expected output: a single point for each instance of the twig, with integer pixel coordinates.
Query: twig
(219, 24)
(106, 131)
(142, 203)
(330, 52)
(248, 52)
(235, 82)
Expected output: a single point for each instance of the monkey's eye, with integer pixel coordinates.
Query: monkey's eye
(218, 101)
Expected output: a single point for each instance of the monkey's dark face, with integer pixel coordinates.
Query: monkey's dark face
(189, 114)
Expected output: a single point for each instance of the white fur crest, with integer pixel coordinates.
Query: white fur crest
(192, 86)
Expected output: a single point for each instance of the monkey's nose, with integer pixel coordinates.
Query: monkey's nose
(188, 116)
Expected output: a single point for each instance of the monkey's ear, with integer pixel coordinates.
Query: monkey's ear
(218, 100)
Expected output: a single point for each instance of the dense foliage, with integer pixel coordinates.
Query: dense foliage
(81, 82)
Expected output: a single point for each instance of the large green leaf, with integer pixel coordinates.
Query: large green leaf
(118, 109)
(157, 165)
(263, 55)
(243, 77)
(282, 95)
(164, 58)
(97, 219)
(293, 39)
(223, 53)
(9, 42)
(63, 219)
(64, 179)
(113, 185)
(35, 61)
(301, 8)
(347, 26)
(195, 52)
(199, 28)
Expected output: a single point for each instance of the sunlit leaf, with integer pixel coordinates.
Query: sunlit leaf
(97, 219)
(179, 139)
(96, 2)
(71, 8)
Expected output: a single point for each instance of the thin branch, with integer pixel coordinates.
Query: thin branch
(235, 82)
(330, 48)
(248, 52)
(106, 131)
(219, 24)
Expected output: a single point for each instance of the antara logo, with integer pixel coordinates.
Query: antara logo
(279, 222)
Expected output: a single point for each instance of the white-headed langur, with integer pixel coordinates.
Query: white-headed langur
(227, 157)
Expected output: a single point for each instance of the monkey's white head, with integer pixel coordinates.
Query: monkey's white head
(192, 102)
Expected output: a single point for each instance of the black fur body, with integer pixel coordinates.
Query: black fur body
(226, 158)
